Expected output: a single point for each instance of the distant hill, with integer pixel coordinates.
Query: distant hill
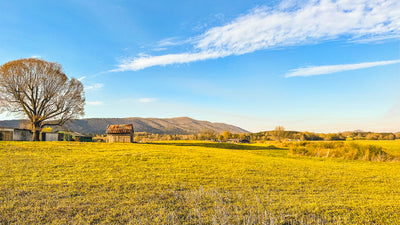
(180, 125)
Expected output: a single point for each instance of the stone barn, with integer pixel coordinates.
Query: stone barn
(120, 133)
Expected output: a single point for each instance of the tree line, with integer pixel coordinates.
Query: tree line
(311, 136)
(278, 134)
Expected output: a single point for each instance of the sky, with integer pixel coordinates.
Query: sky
(320, 66)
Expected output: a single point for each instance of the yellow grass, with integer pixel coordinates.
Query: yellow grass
(190, 183)
(390, 146)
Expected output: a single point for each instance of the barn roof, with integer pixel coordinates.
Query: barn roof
(120, 129)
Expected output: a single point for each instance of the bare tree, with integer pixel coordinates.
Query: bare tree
(279, 132)
(41, 91)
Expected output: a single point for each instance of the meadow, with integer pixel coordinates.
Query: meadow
(392, 147)
(192, 183)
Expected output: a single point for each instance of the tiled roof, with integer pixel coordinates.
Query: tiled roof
(120, 129)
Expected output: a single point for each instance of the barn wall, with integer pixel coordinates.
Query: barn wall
(6, 134)
(124, 138)
(22, 135)
(51, 136)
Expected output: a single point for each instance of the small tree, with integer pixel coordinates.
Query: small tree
(226, 135)
(207, 135)
(279, 132)
(40, 91)
(47, 129)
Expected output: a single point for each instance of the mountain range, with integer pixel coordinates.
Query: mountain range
(179, 125)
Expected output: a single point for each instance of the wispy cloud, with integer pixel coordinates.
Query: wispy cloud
(95, 103)
(147, 100)
(81, 78)
(162, 60)
(36, 56)
(291, 24)
(94, 86)
(159, 49)
(171, 42)
(319, 70)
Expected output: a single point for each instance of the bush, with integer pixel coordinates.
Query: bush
(341, 150)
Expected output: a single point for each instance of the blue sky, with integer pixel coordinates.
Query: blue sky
(322, 66)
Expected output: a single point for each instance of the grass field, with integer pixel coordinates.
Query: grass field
(392, 147)
(190, 183)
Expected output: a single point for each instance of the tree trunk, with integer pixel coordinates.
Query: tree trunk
(36, 132)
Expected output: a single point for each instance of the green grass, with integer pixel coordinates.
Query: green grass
(190, 183)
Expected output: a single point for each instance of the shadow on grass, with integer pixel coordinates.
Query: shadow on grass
(220, 145)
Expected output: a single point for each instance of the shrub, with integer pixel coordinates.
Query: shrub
(342, 150)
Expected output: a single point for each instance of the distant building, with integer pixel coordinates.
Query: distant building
(22, 135)
(120, 133)
(65, 136)
(51, 136)
(15, 134)
(238, 140)
(6, 134)
(80, 137)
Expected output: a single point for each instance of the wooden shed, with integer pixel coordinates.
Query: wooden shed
(120, 133)
(6, 134)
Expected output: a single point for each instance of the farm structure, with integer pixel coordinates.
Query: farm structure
(75, 136)
(51, 136)
(120, 133)
(65, 136)
(15, 134)
(238, 141)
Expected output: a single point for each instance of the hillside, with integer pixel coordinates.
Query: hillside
(180, 125)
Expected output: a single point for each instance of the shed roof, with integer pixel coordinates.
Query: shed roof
(120, 129)
(6, 129)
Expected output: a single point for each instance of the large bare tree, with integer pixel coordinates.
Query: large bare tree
(41, 91)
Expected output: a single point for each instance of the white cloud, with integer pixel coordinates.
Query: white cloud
(290, 24)
(94, 86)
(95, 103)
(159, 49)
(171, 42)
(147, 100)
(149, 61)
(81, 78)
(318, 70)
(36, 56)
